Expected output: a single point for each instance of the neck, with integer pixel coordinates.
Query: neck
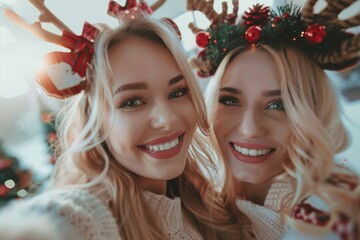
(255, 193)
(153, 185)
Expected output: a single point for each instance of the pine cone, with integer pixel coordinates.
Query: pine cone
(258, 15)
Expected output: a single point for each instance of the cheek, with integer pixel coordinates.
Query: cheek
(222, 125)
(187, 112)
(127, 130)
(282, 132)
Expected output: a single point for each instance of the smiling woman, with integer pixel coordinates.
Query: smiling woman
(130, 163)
(276, 122)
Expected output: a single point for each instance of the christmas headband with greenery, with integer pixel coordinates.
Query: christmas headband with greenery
(321, 35)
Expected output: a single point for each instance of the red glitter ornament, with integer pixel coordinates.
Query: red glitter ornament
(252, 35)
(202, 39)
(315, 33)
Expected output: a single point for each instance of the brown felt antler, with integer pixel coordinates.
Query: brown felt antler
(207, 7)
(46, 16)
(347, 51)
(157, 4)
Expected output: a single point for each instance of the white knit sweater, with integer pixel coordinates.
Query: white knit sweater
(73, 214)
(264, 222)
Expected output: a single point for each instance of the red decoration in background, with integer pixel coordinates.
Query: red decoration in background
(276, 19)
(252, 34)
(202, 39)
(315, 33)
(3, 190)
(4, 163)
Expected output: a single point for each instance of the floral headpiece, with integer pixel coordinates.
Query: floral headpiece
(322, 36)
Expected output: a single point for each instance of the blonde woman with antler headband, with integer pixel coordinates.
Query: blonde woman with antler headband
(275, 119)
(129, 164)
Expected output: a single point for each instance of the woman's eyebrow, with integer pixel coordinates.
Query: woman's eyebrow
(230, 90)
(176, 79)
(131, 86)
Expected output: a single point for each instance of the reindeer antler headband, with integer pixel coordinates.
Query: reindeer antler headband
(64, 73)
(322, 36)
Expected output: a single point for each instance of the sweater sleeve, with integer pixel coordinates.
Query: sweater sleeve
(58, 215)
(312, 214)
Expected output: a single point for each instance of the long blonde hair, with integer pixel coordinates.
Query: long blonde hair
(83, 147)
(317, 131)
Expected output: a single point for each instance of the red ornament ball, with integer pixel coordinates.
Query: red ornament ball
(276, 19)
(202, 39)
(252, 34)
(315, 33)
(286, 15)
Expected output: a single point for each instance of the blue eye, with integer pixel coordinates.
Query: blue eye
(276, 105)
(229, 100)
(132, 103)
(179, 92)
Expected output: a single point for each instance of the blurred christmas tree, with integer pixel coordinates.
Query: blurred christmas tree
(14, 182)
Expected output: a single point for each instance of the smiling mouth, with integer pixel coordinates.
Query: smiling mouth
(164, 146)
(250, 152)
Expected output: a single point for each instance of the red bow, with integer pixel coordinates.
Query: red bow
(130, 10)
(64, 73)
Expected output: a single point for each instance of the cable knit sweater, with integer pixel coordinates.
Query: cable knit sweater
(264, 222)
(73, 214)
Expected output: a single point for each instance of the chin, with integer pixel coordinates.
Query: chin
(170, 173)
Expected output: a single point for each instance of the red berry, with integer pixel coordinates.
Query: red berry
(202, 39)
(252, 34)
(276, 19)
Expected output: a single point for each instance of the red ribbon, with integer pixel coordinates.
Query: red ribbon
(82, 46)
(82, 50)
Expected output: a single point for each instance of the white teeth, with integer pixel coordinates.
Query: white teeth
(164, 146)
(251, 152)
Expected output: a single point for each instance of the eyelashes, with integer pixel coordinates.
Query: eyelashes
(276, 104)
(231, 101)
(134, 102)
(179, 92)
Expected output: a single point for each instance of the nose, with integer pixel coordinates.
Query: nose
(251, 125)
(163, 116)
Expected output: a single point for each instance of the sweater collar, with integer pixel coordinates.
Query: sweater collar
(169, 210)
(281, 190)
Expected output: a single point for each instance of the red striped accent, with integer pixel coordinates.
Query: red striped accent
(79, 58)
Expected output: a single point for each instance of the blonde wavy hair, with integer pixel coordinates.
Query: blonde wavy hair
(317, 133)
(86, 161)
